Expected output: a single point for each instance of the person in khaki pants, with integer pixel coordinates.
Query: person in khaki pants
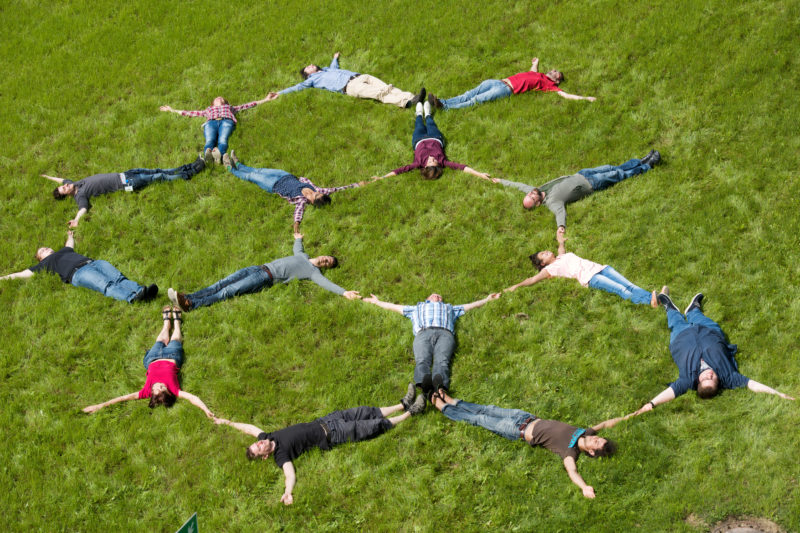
(350, 83)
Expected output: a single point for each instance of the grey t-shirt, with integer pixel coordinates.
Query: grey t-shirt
(298, 266)
(95, 186)
(558, 193)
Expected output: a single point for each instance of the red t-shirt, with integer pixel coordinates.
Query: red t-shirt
(164, 371)
(531, 81)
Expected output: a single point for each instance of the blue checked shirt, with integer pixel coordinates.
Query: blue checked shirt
(433, 315)
(332, 79)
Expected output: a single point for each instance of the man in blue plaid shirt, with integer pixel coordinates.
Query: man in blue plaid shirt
(434, 339)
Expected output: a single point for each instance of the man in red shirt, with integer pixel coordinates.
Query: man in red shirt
(489, 90)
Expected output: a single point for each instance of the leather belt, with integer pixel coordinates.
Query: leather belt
(525, 425)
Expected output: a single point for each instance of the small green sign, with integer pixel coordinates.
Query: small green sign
(190, 526)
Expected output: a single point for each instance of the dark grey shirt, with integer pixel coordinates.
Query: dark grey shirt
(298, 266)
(558, 193)
(95, 186)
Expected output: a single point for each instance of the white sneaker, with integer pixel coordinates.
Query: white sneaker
(427, 107)
(419, 108)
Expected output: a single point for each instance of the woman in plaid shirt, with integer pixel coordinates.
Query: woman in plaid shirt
(220, 123)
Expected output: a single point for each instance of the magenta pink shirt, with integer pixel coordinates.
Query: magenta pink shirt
(531, 81)
(570, 265)
(429, 147)
(164, 371)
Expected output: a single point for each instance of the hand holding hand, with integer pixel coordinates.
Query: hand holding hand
(73, 223)
(298, 235)
(493, 296)
(372, 299)
(352, 295)
(272, 96)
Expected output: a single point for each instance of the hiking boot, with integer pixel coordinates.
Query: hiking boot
(217, 155)
(408, 399)
(179, 299)
(207, 157)
(653, 158)
(234, 159)
(435, 102)
(418, 406)
(226, 160)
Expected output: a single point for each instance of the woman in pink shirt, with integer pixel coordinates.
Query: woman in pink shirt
(428, 144)
(588, 274)
(163, 363)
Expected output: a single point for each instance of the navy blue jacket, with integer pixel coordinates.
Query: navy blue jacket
(709, 344)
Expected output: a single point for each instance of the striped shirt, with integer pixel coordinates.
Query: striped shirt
(217, 112)
(300, 202)
(433, 315)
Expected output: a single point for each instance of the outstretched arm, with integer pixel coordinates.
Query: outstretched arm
(53, 178)
(385, 305)
(169, 109)
(535, 64)
(247, 429)
(543, 274)
(474, 172)
(663, 397)
(483, 301)
(755, 386)
(290, 479)
(561, 237)
(568, 96)
(74, 222)
(70, 240)
(572, 471)
(19, 275)
(197, 402)
(389, 175)
(118, 399)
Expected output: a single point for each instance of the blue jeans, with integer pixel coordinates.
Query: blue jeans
(217, 132)
(425, 130)
(266, 178)
(695, 317)
(244, 281)
(485, 92)
(503, 422)
(103, 277)
(433, 349)
(610, 280)
(607, 175)
(355, 424)
(139, 178)
(173, 350)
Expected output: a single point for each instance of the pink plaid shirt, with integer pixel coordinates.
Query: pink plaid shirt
(217, 112)
(300, 202)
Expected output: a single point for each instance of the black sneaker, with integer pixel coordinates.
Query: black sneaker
(653, 158)
(696, 303)
(427, 386)
(417, 98)
(408, 399)
(438, 383)
(150, 292)
(198, 166)
(666, 301)
(435, 102)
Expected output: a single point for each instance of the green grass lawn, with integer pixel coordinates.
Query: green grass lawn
(713, 85)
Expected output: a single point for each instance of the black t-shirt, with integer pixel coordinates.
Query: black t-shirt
(95, 186)
(293, 441)
(556, 437)
(63, 262)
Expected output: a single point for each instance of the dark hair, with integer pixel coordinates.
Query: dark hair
(165, 398)
(432, 172)
(608, 449)
(303, 70)
(335, 262)
(57, 194)
(325, 199)
(536, 261)
(250, 454)
(224, 100)
(707, 392)
(560, 76)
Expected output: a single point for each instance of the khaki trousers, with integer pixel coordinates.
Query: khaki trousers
(366, 86)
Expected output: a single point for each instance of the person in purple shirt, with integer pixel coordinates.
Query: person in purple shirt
(428, 144)
(704, 358)
(350, 83)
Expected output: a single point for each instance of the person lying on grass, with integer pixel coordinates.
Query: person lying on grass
(349, 425)
(531, 80)
(428, 145)
(162, 363)
(433, 323)
(80, 271)
(514, 424)
(297, 191)
(255, 278)
(706, 361)
(219, 125)
(557, 193)
(350, 83)
(130, 180)
(588, 274)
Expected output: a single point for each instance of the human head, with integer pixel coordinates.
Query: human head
(43, 252)
(541, 259)
(707, 384)
(432, 172)
(307, 71)
(64, 190)
(326, 261)
(260, 449)
(316, 198)
(160, 395)
(434, 298)
(533, 199)
(555, 76)
(595, 446)
(219, 101)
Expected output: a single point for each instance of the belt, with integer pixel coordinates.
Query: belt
(78, 267)
(523, 426)
(269, 274)
(354, 76)
(327, 432)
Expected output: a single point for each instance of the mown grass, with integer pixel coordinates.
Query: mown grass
(713, 85)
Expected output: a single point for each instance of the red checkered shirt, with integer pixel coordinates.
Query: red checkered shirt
(300, 202)
(217, 112)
